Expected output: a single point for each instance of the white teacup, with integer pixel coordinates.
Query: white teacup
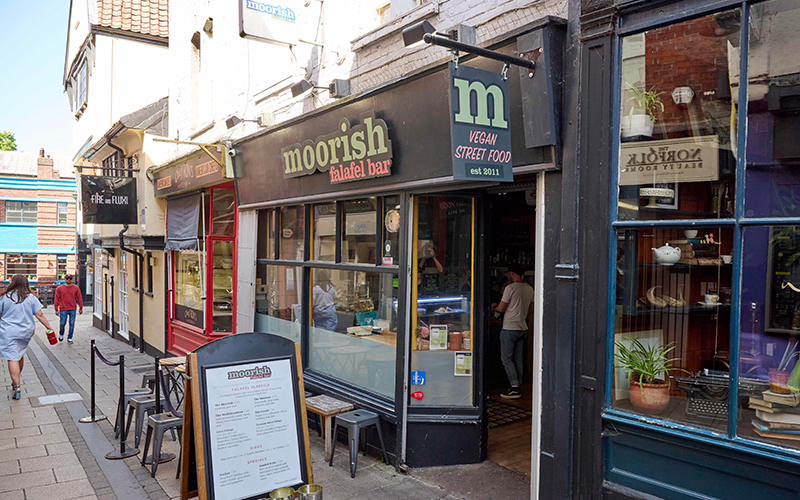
(726, 258)
(712, 298)
(690, 233)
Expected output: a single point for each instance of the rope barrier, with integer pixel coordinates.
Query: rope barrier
(103, 359)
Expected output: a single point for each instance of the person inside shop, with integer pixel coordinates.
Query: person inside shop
(428, 260)
(517, 304)
(324, 294)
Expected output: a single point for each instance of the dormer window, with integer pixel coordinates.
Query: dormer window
(82, 88)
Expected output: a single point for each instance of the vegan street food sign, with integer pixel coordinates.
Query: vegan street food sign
(350, 153)
(479, 122)
(108, 200)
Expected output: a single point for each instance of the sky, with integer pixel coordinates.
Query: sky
(33, 105)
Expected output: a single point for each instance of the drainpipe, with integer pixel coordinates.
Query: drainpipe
(140, 257)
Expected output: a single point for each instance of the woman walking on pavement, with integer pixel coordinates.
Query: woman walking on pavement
(18, 307)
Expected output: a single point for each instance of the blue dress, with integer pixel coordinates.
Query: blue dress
(17, 325)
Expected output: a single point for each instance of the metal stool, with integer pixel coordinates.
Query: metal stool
(157, 425)
(355, 421)
(148, 380)
(124, 404)
(141, 406)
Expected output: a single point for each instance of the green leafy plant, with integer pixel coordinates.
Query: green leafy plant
(648, 101)
(645, 363)
(794, 379)
(7, 141)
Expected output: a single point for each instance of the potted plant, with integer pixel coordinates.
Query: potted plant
(642, 117)
(779, 377)
(645, 364)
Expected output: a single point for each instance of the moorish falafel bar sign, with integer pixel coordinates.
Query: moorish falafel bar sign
(252, 428)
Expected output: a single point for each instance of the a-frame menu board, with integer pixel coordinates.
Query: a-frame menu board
(245, 427)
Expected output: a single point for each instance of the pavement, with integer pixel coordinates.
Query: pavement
(46, 454)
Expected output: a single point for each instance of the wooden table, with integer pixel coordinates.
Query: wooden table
(328, 407)
(174, 361)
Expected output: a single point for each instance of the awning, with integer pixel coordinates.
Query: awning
(183, 216)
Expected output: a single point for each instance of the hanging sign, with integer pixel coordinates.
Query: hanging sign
(688, 159)
(351, 153)
(479, 122)
(278, 21)
(108, 200)
(199, 171)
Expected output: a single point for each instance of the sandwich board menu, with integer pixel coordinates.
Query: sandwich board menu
(245, 402)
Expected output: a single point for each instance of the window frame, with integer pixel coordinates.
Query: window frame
(22, 256)
(642, 21)
(308, 265)
(62, 208)
(82, 87)
(22, 211)
(65, 259)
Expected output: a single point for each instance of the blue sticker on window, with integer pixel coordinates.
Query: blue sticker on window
(418, 377)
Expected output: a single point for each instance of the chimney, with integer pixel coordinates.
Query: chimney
(44, 166)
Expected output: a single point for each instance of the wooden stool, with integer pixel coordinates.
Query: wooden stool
(357, 421)
(327, 407)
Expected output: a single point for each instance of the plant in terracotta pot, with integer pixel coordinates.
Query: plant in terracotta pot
(642, 116)
(779, 377)
(645, 364)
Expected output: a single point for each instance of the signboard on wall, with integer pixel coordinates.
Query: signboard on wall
(108, 200)
(688, 159)
(194, 173)
(279, 21)
(480, 113)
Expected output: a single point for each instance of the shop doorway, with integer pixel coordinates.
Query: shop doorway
(123, 297)
(511, 231)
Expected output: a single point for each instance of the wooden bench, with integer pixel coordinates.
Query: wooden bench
(328, 407)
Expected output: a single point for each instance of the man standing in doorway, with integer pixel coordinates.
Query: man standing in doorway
(517, 303)
(68, 298)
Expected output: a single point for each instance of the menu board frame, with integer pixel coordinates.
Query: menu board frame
(301, 458)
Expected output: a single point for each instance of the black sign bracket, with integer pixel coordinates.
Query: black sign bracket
(202, 145)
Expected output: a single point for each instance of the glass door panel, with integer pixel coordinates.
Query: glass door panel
(222, 286)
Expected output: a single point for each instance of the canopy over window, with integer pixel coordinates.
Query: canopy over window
(183, 215)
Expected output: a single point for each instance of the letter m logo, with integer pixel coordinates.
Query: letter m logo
(480, 114)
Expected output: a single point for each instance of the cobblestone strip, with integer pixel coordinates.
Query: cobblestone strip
(100, 483)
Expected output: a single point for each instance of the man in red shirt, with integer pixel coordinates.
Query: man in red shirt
(68, 298)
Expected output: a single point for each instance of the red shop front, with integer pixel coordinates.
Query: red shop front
(201, 252)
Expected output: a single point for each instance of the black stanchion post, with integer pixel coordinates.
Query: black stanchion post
(94, 417)
(124, 451)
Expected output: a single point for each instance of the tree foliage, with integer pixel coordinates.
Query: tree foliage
(7, 141)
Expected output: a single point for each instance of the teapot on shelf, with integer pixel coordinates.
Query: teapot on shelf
(667, 255)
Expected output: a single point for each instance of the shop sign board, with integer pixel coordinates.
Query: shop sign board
(480, 113)
(278, 21)
(688, 159)
(194, 173)
(108, 200)
(350, 153)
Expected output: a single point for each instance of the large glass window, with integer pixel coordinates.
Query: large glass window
(354, 327)
(223, 213)
(358, 238)
(24, 264)
(279, 294)
(189, 288)
(61, 267)
(21, 212)
(391, 231)
(62, 213)
(678, 121)
(681, 142)
(293, 222)
(442, 318)
(222, 283)
(325, 232)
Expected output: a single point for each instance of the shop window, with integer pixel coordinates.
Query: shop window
(189, 288)
(61, 267)
(266, 234)
(279, 292)
(24, 212)
(353, 336)
(677, 157)
(148, 270)
(97, 263)
(672, 319)
(223, 213)
(773, 112)
(24, 264)
(222, 283)
(442, 318)
(292, 233)
(62, 213)
(324, 232)
(358, 237)
(391, 231)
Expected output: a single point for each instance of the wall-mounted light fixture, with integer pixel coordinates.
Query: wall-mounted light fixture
(424, 32)
(337, 88)
(235, 120)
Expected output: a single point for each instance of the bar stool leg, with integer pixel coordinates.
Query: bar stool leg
(180, 452)
(380, 437)
(333, 445)
(128, 425)
(141, 414)
(159, 438)
(352, 436)
(147, 439)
